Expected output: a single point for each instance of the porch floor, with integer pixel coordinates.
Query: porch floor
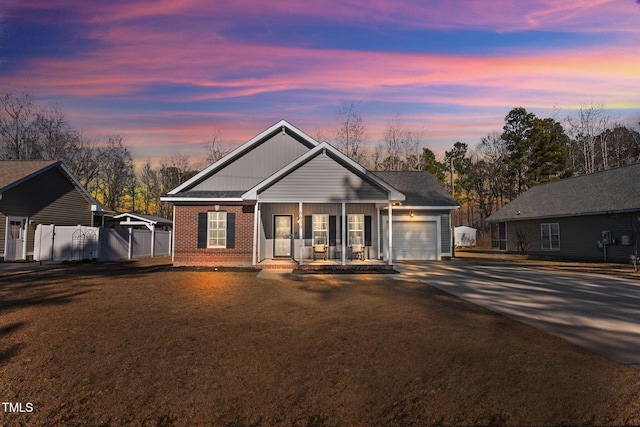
(320, 264)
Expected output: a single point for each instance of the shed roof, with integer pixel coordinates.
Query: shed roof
(150, 219)
(610, 191)
(419, 187)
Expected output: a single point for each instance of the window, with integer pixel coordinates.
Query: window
(320, 229)
(217, 230)
(550, 236)
(356, 229)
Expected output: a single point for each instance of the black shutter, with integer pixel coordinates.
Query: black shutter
(332, 230)
(308, 233)
(231, 230)
(367, 230)
(202, 229)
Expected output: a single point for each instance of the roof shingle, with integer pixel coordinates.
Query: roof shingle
(420, 188)
(614, 190)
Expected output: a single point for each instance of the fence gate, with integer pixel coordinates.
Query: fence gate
(85, 244)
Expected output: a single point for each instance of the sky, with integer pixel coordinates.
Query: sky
(167, 75)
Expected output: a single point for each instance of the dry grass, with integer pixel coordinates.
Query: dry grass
(144, 344)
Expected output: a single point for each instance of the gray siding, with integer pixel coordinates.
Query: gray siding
(579, 236)
(322, 179)
(445, 233)
(48, 198)
(255, 165)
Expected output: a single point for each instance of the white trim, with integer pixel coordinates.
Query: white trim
(301, 232)
(254, 251)
(390, 235)
(321, 202)
(423, 208)
(202, 199)
(233, 155)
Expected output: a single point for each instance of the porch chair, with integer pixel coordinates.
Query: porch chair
(319, 250)
(357, 251)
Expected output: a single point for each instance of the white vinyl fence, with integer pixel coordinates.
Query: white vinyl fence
(74, 243)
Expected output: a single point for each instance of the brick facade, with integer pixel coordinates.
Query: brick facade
(186, 251)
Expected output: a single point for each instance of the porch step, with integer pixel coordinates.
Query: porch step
(349, 268)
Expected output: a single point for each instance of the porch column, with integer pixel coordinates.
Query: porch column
(153, 240)
(390, 233)
(344, 233)
(300, 232)
(254, 257)
(378, 231)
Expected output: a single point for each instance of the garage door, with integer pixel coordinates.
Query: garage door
(415, 240)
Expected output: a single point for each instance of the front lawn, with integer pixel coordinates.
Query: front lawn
(145, 344)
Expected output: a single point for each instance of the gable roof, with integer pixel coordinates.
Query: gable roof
(611, 191)
(328, 150)
(15, 172)
(280, 127)
(420, 188)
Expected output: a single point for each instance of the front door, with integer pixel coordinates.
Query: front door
(15, 248)
(282, 242)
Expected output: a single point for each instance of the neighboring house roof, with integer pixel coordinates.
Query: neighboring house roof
(133, 218)
(611, 191)
(420, 188)
(15, 172)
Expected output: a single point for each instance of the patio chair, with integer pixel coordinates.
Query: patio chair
(320, 250)
(357, 251)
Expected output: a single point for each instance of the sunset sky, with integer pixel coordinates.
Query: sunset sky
(167, 74)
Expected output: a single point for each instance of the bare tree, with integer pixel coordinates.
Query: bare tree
(587, 132)
(16, 126)
(214, 153)
(83, 160)
(115, 172)
(350, 132)
(150, 190)
(400, 149)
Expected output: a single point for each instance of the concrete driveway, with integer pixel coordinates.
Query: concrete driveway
(596, 311)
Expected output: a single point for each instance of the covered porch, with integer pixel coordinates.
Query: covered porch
(319, 234)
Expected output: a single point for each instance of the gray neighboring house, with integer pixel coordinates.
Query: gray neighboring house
(40, 192)
(590, 217)
(283, 197)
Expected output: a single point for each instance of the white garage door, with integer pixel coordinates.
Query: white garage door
(415, 240)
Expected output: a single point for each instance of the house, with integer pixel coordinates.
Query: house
(284, 196)
(590, 217)
(40, 192)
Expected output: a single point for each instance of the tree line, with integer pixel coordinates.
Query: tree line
(529, 151)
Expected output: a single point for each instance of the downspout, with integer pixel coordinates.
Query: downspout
(173, 236)
(254, 252)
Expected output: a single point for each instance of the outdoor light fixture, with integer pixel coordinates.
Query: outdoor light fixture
(412, 213)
